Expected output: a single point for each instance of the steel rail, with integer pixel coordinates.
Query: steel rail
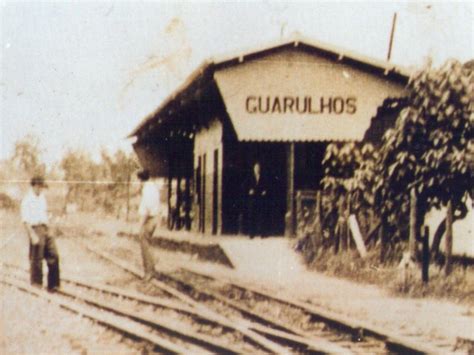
(248, 333)
(394, 342)
(327, 339)
(250, 330)
(203, 341)
(140, 297)
(123, 326)
(271, 326)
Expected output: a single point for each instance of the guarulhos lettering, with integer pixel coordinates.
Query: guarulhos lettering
(309, 105)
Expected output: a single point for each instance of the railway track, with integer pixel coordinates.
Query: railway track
(168, 326)
(196, 312)
(108, 320)
(271, 339)
(296, 321)
(167, 332)
(255, 302)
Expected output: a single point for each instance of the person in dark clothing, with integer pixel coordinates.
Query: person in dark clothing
(256, 193)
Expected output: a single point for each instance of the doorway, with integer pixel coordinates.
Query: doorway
(238, 169)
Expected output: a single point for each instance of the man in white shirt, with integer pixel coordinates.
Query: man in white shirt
(34, 215)
(148, 211)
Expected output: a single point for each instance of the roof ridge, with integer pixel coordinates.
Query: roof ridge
(296, 39)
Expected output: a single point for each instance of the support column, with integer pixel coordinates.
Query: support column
(179, 200)
(188, 204)
(290, 217)
(413, 225)
(170, 177)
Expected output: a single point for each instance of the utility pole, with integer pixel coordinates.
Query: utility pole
(392, 33)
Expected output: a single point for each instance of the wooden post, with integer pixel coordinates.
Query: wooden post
(336, 240)
(343, 233)
(426, 255)
(342, 222)
(347, 213)
(357, 235)
(169, 194)
(318, 228)
(178, 201)
(383, 241)
(392, 33)
(188, 204)
(413, 225)
(449, 237)
(290, 219)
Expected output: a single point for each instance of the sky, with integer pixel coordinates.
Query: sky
(83, 74)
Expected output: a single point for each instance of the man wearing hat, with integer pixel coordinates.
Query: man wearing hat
(34, 214)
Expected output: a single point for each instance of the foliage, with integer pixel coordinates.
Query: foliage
(427, 149)
(349, 170)
(103, 184)
(26, 155)
(80, 172)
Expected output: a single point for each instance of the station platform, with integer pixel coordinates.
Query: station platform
(258, 255)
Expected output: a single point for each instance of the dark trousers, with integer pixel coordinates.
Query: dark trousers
(146, 233)
(45, 249)
(256, 215)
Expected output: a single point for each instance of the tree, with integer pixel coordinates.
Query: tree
(103, 184)
(80, 172)
(118, 169)
(26, 155)
(427, 149)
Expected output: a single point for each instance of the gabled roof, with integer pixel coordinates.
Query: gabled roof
(204, 73)
(299, 40)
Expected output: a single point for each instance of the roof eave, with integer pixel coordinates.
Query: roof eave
(193, 77)
(294, 41)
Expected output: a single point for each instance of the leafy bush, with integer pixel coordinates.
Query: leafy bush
(428, 147)
(428, 150)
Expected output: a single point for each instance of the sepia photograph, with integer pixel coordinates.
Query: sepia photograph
(236, 177)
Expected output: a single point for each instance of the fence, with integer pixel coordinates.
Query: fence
(325, 224)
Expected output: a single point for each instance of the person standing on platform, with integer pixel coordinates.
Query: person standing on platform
(34, 215)
(149, 211)
(256, 195)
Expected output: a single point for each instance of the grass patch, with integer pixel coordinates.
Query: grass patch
(457, 287)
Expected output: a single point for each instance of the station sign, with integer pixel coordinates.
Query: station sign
(312, 105)
(300, 96)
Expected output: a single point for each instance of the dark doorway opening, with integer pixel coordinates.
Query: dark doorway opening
(308, 165)
(238, 169)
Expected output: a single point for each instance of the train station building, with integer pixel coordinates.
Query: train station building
(280, 105)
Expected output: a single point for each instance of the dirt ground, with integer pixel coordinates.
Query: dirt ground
(31, 325)
(278, 271)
